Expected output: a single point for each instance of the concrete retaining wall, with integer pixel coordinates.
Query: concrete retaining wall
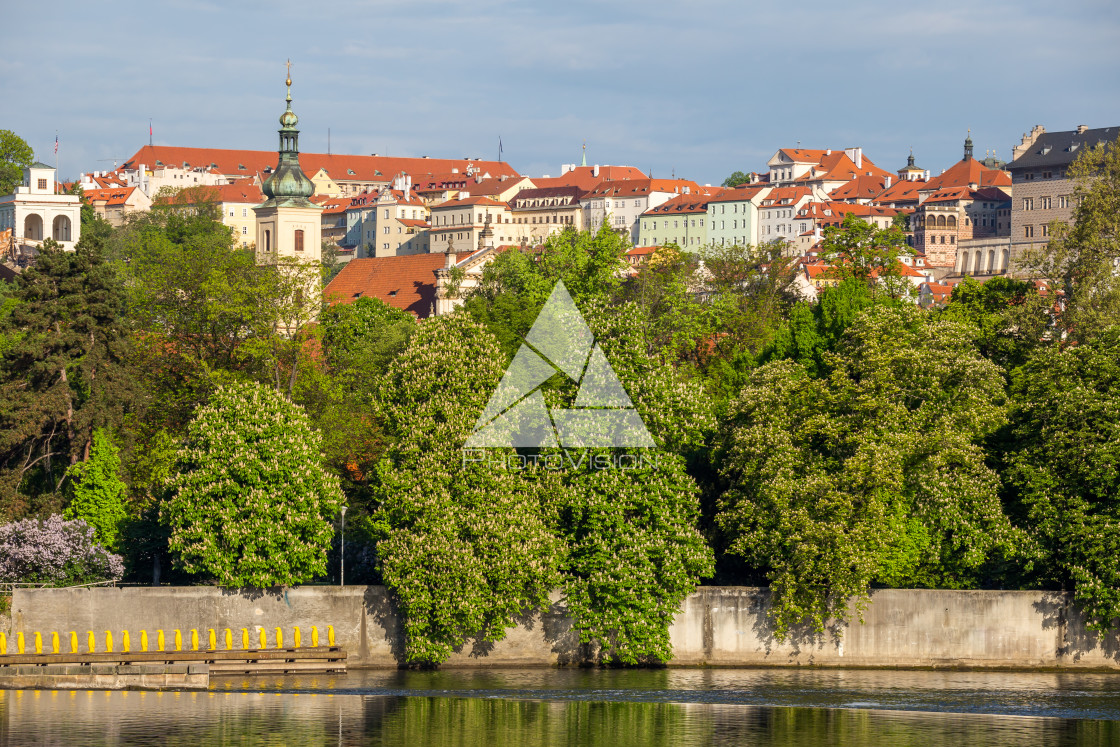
(717, 626)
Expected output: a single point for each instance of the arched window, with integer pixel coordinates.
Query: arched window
(33, 227)
(299, 239)
(1006, 260)
(964, 263)
(952, 221)
(940, 221)
(61, 228)
(991, 261)
(976, 263)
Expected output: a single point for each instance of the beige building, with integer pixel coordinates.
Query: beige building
(115, 205)
(457, 224)
(543, 212)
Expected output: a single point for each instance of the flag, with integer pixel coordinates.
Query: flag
(499, 147)
(56, 145)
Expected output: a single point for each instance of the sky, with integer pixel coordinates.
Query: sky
(697, 89)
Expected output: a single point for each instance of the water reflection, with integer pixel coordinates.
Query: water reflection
(202, 719)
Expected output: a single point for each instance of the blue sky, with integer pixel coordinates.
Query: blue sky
(700, 89)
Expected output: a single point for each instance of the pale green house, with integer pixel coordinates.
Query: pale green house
(733, 216)
(681, 221)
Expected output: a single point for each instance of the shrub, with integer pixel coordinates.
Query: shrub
(55, 552)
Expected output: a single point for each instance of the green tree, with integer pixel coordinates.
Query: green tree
(873, 475)
(1011, 317)
(1082, 257)
(466, 548)
(736, 178)
(97, 493)
(67, 371)
(251, 504)
(15, 156)
(858, 249)
(1065, 469)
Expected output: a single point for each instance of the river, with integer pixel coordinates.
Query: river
(617, 708)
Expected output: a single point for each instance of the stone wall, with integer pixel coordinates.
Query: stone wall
(717, 626)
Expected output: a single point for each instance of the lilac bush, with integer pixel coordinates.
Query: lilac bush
(55, 552)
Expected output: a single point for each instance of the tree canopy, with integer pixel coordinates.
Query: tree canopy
(15, 156)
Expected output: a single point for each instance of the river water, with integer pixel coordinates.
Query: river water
(617, 708)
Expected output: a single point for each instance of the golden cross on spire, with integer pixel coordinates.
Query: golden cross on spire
(289, 65)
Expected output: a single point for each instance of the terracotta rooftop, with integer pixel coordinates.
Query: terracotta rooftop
(584, 177)
(338, 167)
(406, 282)
(642, 187)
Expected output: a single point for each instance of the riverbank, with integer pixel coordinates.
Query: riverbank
(717, 626)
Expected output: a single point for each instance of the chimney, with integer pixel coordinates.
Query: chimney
(1081, 129)
(887, 182)
(595, 170)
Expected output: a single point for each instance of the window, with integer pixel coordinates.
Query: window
(1045, 229)
(268, 241)
(386, 212)
(231, 212)
(386, 229)
(244, 212)
(1028, 203)
(42, 184)
(1063, 201)
(299, 239)
(1046, 174)
(244, 230)
(1045, 203)
(952, 239)
(1028, 232)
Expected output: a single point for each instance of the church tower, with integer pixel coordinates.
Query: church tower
(288, 223)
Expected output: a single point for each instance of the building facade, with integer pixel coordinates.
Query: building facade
(36, 212)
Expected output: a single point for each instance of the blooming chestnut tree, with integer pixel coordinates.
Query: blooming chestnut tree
(251, 504)
(55, 552)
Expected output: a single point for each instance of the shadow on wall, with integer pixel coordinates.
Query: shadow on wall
(1074, 640)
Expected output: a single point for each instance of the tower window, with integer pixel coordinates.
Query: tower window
(299, 240)
(268, 241)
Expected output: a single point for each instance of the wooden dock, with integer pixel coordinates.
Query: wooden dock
(220, 661)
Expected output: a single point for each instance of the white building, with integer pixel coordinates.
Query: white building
(35, 212)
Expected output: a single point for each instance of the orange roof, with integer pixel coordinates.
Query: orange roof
(741, 193)
(339, 167)
(111, 197)
(785, 196)
(406, 282)
(690, 203)
(242, 190)
(901, 191)
(861, 187)
(584, 177)
(964, 173)
(642, 187)
(451, 204)
(804, 155)
(414, 222)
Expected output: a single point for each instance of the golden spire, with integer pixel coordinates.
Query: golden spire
(289, 79)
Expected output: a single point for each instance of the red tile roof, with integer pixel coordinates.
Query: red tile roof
(111, 197)
(964, 173)
(486, 201)
(741, 193)
(686, 204)
(584, 177)
(642, 187)
(407, 282)
(339, 167)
